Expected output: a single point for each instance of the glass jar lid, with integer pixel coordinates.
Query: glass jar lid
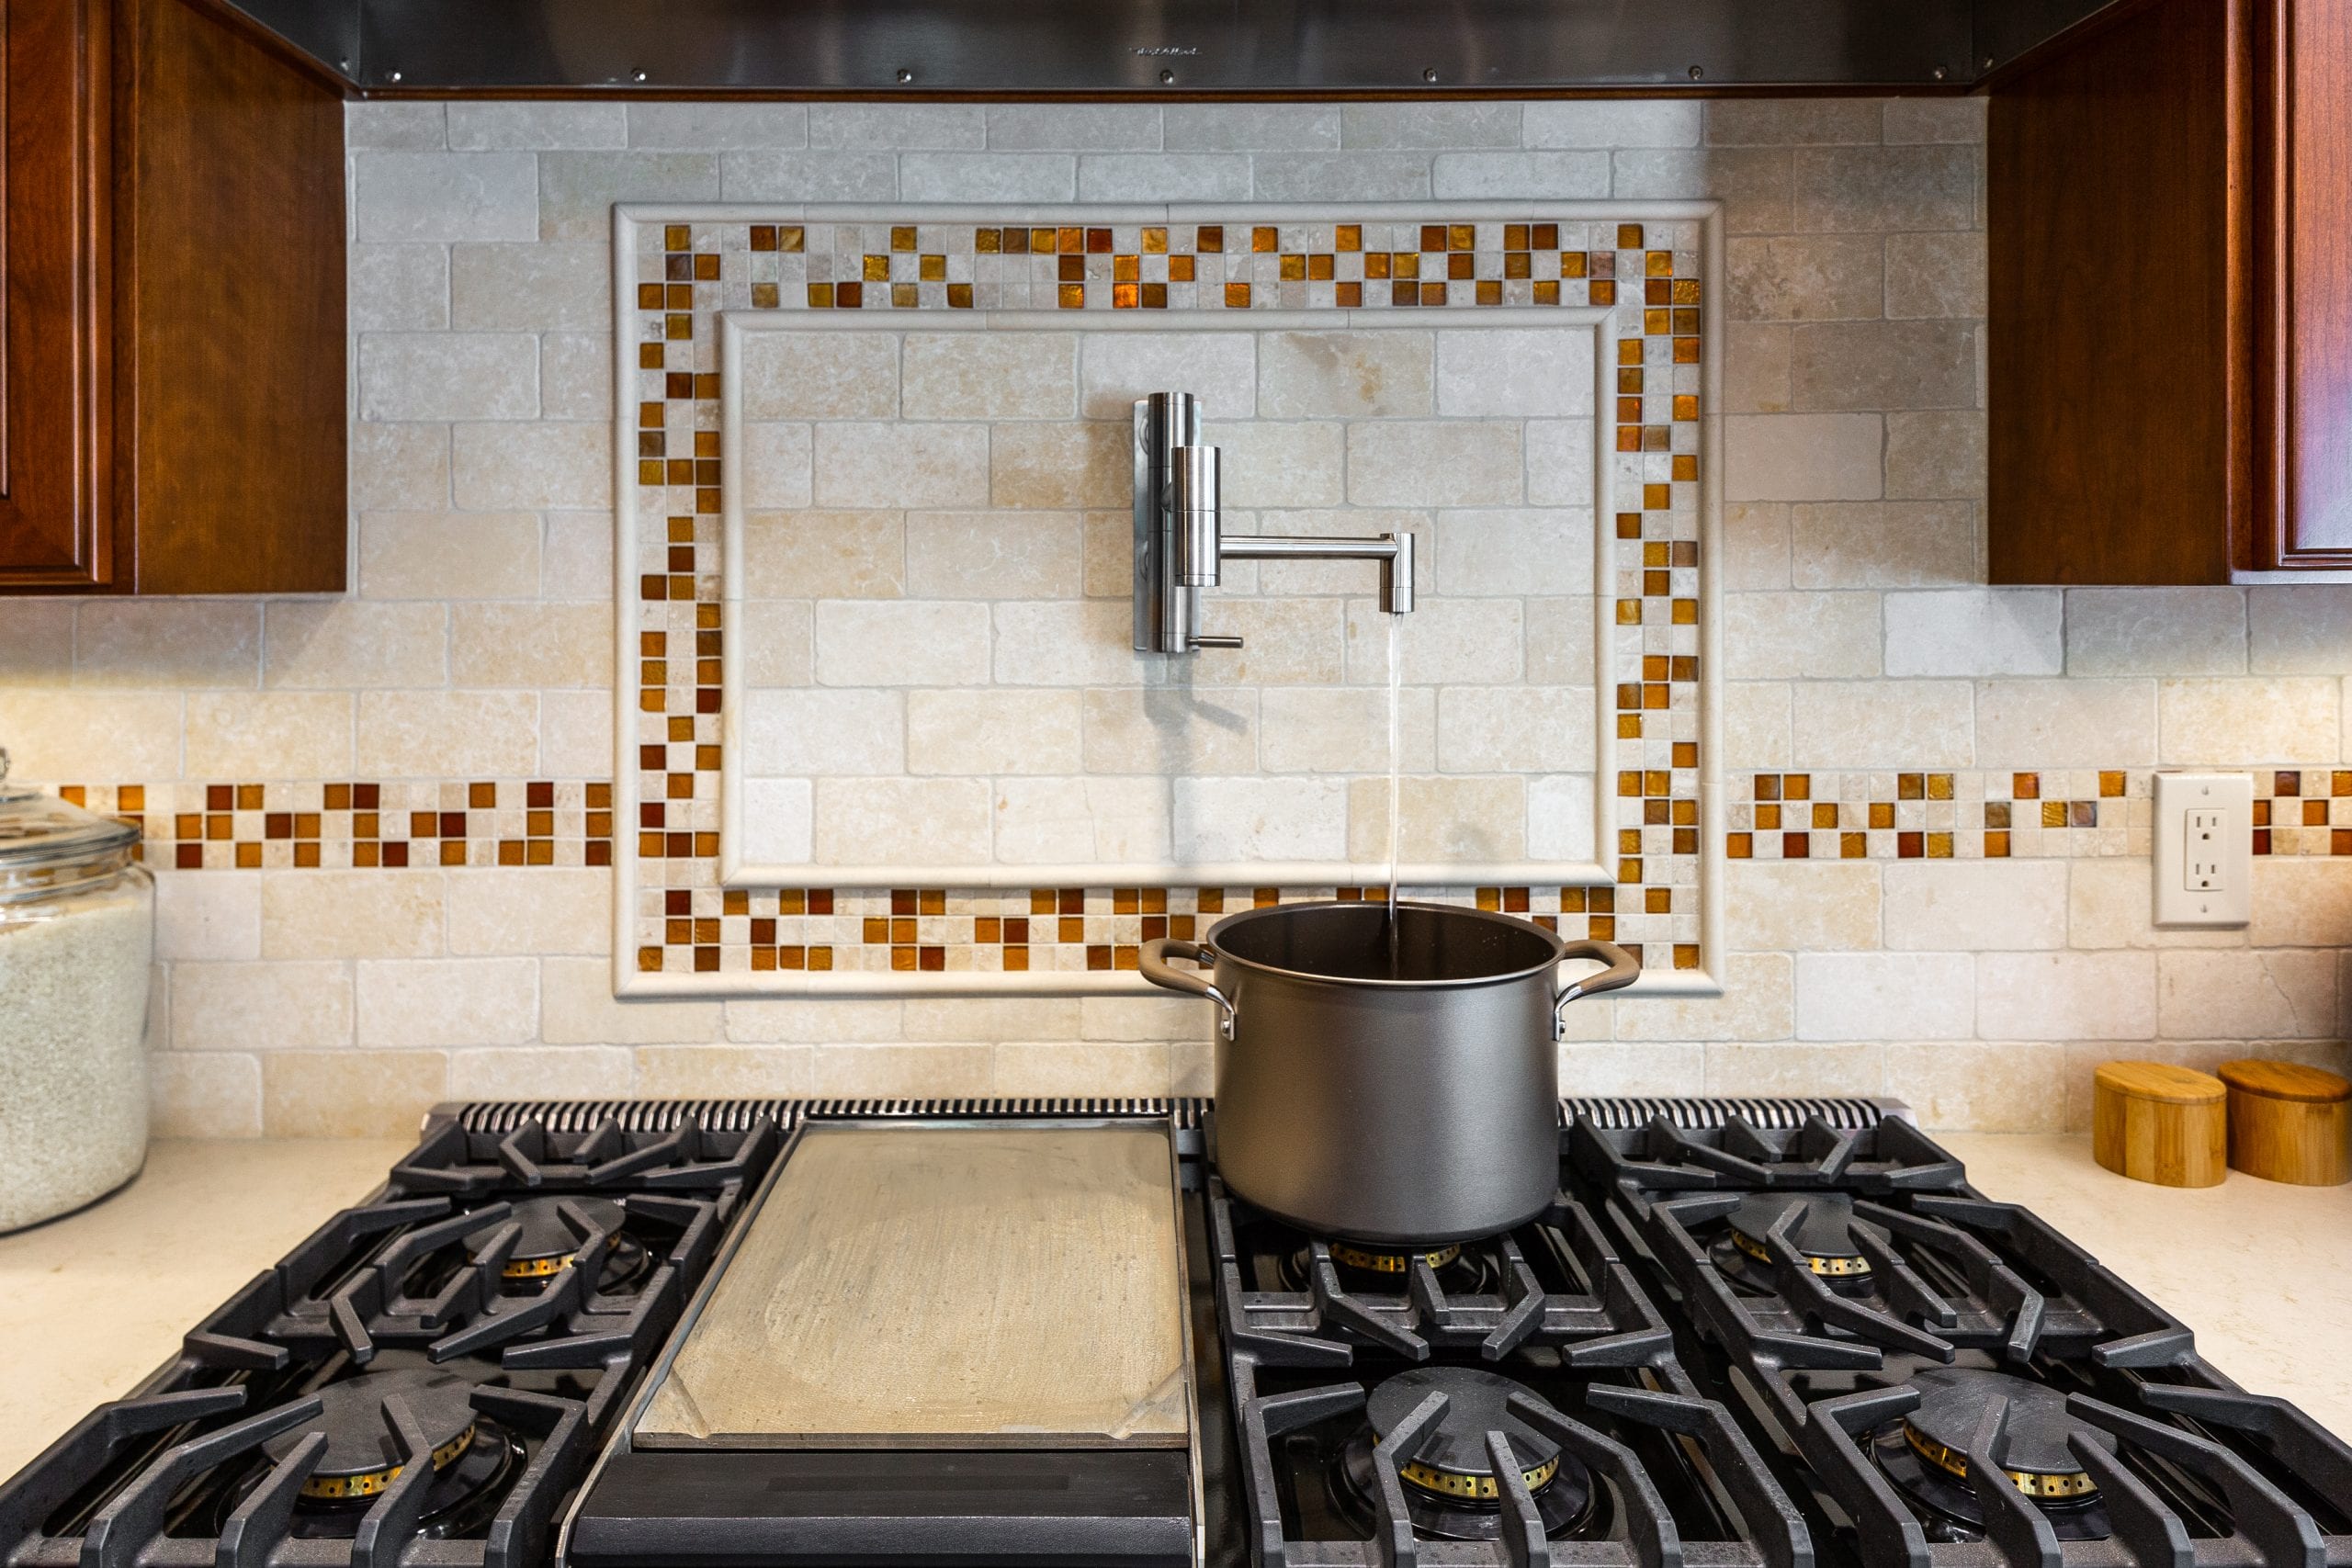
(45, 840)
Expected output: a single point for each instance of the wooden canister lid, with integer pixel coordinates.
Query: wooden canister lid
(2285, 1080)
(2159, 1081)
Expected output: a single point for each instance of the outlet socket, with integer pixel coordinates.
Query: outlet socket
(2203, 842)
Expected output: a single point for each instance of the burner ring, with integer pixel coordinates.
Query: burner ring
(2060, 1484)
(371, 1483)
(1477, 1488)
(1835, 1268)
(537, 1268)
(1391, 1262)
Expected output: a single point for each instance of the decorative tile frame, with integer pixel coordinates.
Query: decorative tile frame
(682, 273)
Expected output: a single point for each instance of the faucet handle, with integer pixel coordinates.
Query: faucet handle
(1207, 641)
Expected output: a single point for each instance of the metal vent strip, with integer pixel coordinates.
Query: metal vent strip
(578, 1116)
(1786, 1113)
(1621, 1113)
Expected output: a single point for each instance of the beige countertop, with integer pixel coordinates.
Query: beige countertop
(91, 1303)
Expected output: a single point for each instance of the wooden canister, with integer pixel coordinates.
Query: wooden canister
(2287, 1122)
(2153, 1122)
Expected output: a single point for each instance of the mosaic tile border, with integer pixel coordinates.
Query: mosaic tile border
(1999, 813)
(347, 825)
(676, 928)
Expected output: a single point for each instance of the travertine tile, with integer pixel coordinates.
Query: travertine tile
(2301, 902)
(1508, 553)
(268, 735)
(760, 1020)
(1758, 1003)
(1756, 367)
(1934, 119)
(1975, 904)
(753, 1071)
(1083, 1068)
(59, 736)
(790, 376)
(1170, 729)
(1611, 122)
(1275, 463)
(993, 731)
(1444, 463)
(512, 911)
(1260, 819)
(1886, 724)
(1342, 176)
(2287, 994)
(399, 466)
(468, 734)
(1607, 1068)
(443, 555)
(2155, 631)
(1531, 372)
(1788, 1067)
(886, 821)
(398, 288)
(1847, 190)
(991, 176)
(542, 1072)
(2066, 996)
(1457, 819)
(577, 1007)
(351, 914)
(1444, 642)
(863, 642)
(575, 375)
(2110, 903)
(1049, 821)
(213, 1094)
(1976, 631)
(1734, 123)
(247, 1006)
(1163, 176)
(1798, 906)
(1756, 727)
(873, 127)
(208, 915)
(1073, 128)
(1345, 375)
(1802, 457)
(1044, 464)
(1219, 368)
(877, 465)
(2010, 1087)
(2275, 719)
(531, 645)
(418, 196)
(824, 555)
(341, 644)
(1886, 996)
(2300, 630)
(346, 1094)
(1753, 183)
(1488, 176)
(762, 174)
(502, 468)
(1892, 544)
(1786, 635)
(372, 127)
(575, 734)
(993, 555)
(165, 642)
(1344, 729)
(1807, 278)
(1427, 126)
(816, 730)
(1935, 274)
(448, 1001)
(2069, 724)
(533, 125)
(1249, 127)
(1935, 454)
(1884, 364)
(918, 1071)
(995, 375)
(706, 127)
(577, 190)
(1515, 729)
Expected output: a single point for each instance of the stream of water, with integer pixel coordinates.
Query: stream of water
(1396, 757)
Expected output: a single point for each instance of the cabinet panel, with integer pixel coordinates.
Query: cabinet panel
(2305, 98)
(54, 317)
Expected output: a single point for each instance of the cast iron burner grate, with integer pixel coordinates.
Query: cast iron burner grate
(1947, 1382)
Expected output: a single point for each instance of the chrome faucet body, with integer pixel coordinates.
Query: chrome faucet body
(1180, 546)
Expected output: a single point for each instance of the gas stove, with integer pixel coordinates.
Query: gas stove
(1767, 1333)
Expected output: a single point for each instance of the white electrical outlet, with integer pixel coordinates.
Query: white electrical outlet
(2204, 849)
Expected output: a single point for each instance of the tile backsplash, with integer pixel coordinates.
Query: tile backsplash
(382, 826)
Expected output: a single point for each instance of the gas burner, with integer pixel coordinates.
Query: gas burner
(548, 1243)
(1925, 1453)
(473, 1455)
(1460, 1270)
(1822, 1236)
(1451, 1490)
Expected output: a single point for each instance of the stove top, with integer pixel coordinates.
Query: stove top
(1768, 1333)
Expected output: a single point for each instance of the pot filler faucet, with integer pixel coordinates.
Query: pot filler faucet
(1181, 545)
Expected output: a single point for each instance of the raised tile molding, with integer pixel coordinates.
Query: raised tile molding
(698, 914)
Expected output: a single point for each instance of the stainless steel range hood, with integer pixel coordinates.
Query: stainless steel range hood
(1162, 48)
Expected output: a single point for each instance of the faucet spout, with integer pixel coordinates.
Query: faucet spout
(1392, 551)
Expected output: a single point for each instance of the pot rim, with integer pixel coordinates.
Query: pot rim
(1455, 911)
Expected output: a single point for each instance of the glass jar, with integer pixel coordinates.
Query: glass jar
(77, 935)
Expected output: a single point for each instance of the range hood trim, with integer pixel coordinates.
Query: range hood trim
(1161, 49)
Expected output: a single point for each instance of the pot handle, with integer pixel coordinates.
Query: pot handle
(1153, 962)
(1624, 970)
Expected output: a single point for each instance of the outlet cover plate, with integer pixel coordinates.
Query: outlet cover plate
(2204, 840)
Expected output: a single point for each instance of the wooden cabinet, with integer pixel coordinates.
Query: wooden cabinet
(172, 322)
(2170, 298)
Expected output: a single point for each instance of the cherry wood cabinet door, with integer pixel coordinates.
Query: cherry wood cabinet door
(2304, 307)
(55, 237)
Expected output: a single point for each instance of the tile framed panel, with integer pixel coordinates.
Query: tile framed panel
(682, 272)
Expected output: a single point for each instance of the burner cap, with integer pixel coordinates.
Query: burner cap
(546, 1244)
(363, 1455)
(1453, 1460)
(2033, 1450)
(1824, 1233)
